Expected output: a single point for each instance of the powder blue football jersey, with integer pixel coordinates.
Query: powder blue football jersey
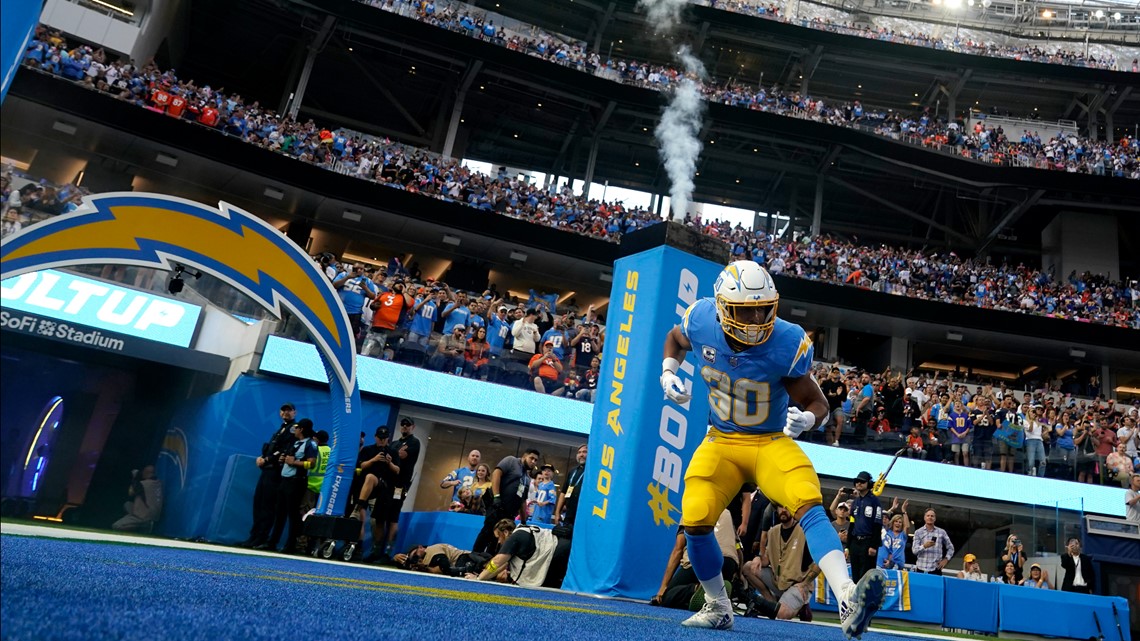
(746, 389)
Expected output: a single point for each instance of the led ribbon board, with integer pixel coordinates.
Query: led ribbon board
(152, 230)
(69, 298)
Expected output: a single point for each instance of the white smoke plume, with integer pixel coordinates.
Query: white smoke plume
(663, 15)
(678, 132)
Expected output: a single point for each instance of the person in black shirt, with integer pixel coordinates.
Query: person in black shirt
(265, 495)
(404, 453)
(1006, 414)
(866, 532)
(507, 498)
(569, 494)
(911, 413)
(982, 449)
(836, 392)
(376, 474)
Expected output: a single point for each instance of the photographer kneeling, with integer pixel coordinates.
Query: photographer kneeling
(527, 556)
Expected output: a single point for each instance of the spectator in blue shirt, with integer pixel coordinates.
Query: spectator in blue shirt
(499, 330)
(355, 289)
(425, 313)
(456, 313)
(545, 497)
(892, 553)
(557, 336)
(1037, 578)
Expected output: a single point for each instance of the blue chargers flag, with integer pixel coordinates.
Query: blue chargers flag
(17, 24)
(640, 442)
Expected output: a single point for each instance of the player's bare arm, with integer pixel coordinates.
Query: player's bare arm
(805, 392)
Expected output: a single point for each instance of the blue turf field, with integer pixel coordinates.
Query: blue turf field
(78, 590)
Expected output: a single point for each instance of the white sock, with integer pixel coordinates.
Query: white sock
(715, 592)
(834, 567)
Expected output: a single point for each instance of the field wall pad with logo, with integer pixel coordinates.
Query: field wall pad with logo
(640, 443)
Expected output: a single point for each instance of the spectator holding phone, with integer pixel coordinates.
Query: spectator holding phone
(545, 368)
(1014, 553)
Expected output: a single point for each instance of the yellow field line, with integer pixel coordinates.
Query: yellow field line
(397, 588)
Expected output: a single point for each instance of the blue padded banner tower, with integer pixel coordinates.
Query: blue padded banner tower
(640, 443)
(17, 23)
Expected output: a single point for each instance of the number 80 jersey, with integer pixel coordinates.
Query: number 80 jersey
(746, 389)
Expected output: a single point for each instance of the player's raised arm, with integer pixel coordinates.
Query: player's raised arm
(805, 392)
(676, 346)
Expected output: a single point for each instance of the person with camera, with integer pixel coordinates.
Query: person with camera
(425, 313)
(144, 504)
(403, 454)
(295, 463)
(447, 560)
(526, 336)
(531, 556)
(545, 368)
(376, 473)
(836, 392)
(510, 481)
(1014, 553)
(356, 287)
(387, 308)
(586, 345)
(1079, 573)
(265, 494)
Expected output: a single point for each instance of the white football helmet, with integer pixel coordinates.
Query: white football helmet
(746, 300)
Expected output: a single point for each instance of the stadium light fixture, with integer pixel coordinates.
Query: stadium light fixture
(1047, 14)
(166, 159)
(1077, 353)
(354, 216)
(954, 336)
(953, 4)
(1116, 16)
(518, 256)
(64, 127)
(454, 241)
(1099, 14)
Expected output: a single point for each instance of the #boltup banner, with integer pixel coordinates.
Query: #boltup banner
(640, 443)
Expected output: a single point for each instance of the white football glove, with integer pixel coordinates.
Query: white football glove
(674, 388)
(798, 422)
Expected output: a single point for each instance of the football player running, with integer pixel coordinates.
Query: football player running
(754, 364)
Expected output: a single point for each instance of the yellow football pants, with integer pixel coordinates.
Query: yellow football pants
(725, 461)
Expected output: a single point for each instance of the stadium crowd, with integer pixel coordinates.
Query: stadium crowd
(947, 42)
(945, 277)
(1047, 431)
(990, 145)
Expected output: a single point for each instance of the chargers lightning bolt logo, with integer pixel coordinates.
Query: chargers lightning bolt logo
(152, 230)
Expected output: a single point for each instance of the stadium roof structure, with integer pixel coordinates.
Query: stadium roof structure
(384, 74)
